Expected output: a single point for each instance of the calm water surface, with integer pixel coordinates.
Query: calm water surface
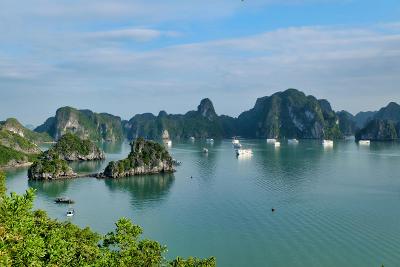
(334, 207)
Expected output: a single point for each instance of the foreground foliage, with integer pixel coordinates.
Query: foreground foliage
(31, 238)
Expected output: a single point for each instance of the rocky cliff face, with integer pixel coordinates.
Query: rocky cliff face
(84, 123)
(289, 114)
(146, 157)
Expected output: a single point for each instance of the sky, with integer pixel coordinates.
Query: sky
(128, 57)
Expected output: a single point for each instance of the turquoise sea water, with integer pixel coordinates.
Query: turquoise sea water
(334, 207)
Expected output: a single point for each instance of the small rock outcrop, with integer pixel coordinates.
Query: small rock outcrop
(53, 164)
(49, 166)
(146, 157)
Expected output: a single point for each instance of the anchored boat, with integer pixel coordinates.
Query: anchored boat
(364, 142)
(64, 200)
(241, 152)
(271, 140)
(70, 213)
(327, 143)
(293, 141)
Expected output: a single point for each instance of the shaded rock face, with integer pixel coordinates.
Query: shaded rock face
(384, 125)
(379, 130)
(362, 118)
(206, 109)
(84, 123)
(347, 123)
(146, 157)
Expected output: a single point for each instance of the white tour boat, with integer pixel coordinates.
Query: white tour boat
(241, 152)
(364, 142)
(271, 140)
(277, 144)
(293, 141)
(327, 143)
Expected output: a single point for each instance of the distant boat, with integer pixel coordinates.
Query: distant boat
(327, 143)
(70, 213)
(64, 200)
(241, 152)
(235, 141)
(277, 144)
(205, 150)
(192, 138)
(176, 162)
(293, 141)
(271, 140)
(364, 142)
(209, 140)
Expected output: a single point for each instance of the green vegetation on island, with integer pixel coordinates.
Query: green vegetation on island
(289, 114)
(49, 166)
(52, 164)
(15, 147)
(201, 123)
(383, 126)
(146, 157)
(13, 158)
(84, 123)
(70, 147)
(13, 125)
(31, 238)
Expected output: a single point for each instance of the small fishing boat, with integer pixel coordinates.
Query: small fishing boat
(192, 138)
(209, 140)
(205, 150)
(70, 213)
(271, 140)
(364, 142)
(293, 141)
(64, 200)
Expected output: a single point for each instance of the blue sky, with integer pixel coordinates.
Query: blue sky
(128, 57)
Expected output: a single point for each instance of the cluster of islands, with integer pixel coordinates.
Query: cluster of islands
(74, 133)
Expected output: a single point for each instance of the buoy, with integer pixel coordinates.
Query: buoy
(272, 209)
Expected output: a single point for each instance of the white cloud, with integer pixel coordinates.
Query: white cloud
(136, 34)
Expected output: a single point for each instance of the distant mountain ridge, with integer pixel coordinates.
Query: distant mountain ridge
(286, 114)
